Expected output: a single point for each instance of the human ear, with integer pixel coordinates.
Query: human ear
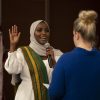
(77, 35)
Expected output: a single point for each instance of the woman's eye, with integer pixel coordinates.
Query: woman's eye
(46, 30)
(39, 30)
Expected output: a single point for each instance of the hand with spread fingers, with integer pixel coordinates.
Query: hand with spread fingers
(14, 37)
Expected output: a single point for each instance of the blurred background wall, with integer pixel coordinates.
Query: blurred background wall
(59, 13)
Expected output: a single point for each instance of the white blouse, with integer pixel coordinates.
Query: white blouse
(16, 64)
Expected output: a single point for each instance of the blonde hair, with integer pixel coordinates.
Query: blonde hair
(86, 25)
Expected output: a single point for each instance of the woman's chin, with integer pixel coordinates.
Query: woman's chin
(43, 42)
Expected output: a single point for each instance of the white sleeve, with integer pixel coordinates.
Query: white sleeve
(13, 64)
(49, 70)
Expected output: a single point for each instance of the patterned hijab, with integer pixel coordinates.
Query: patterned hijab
(38, 48)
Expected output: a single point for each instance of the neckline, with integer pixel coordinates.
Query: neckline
(85, 52)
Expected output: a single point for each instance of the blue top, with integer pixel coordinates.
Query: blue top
(76, 76)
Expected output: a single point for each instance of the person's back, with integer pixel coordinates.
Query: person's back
(82, 75)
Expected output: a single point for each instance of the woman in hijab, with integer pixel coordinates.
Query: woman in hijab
(31, 62)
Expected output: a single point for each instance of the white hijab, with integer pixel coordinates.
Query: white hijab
(38, 48)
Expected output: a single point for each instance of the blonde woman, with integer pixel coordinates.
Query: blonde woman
(77, 73)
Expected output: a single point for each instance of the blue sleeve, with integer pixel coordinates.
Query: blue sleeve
(57, 86)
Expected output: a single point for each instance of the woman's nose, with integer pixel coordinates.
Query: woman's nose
(44, 32)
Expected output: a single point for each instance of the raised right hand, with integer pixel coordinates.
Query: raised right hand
(14, 37)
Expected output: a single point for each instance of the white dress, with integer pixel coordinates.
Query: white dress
(16, 64)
